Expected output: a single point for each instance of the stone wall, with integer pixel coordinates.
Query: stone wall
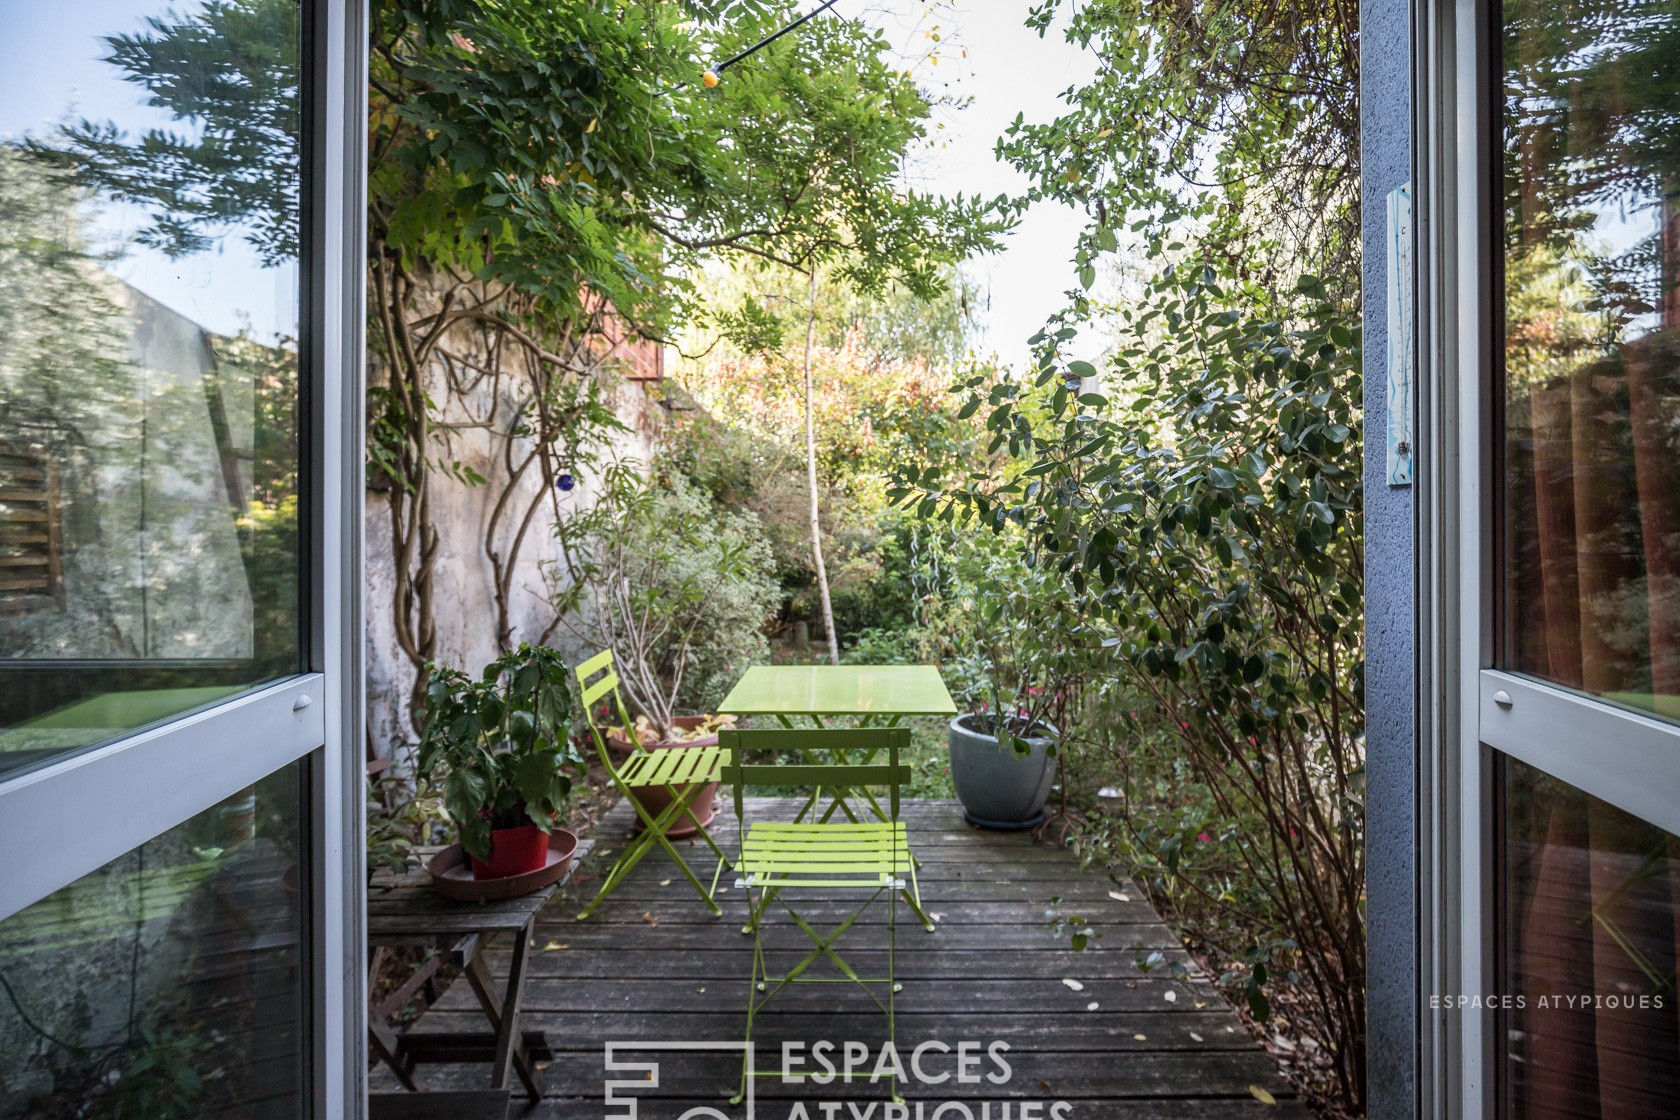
(465, 587)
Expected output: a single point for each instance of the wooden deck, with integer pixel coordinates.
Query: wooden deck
(1087, 1028)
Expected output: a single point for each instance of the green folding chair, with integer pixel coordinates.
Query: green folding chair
(680, 773)
(780, 860)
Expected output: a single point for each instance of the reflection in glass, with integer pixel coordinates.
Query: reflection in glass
(1592, 347)
(1589, 897)
(169, 984)
(148, 364)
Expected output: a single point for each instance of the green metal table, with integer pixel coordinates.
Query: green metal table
(873, 695)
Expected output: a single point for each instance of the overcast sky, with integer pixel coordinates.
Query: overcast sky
(1008, 69)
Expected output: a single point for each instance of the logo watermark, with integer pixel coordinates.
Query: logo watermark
(933, 1068)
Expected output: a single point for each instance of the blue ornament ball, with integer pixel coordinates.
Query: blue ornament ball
(565, 482)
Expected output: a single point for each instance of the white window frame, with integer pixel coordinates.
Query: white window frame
(75, 815)
(1620, 756)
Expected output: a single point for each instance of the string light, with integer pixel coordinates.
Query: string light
(714, 74)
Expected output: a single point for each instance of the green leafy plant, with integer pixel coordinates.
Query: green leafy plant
(500, 743)
(678, 589)
(1208, 521)
(400, 818)
(1016, 647)
(156, 1077)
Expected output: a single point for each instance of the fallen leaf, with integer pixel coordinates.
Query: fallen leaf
(1170, 996)
(1092, 1006)
(1074, 984)
(1200, 1004)
(664, 882)
(1119, 896)
(1261, 1095)
(552, 947)
(1194, 1037)
(700, 989)
(1141, 1037)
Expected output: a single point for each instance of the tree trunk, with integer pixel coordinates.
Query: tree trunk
(811, 478)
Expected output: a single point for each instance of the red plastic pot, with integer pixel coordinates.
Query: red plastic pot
(513, 851)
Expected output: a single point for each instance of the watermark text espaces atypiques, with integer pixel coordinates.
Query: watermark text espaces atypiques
(946, 1077)
(1547, 1001)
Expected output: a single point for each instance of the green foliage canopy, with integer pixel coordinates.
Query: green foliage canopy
(1241, 116)
(564, 148)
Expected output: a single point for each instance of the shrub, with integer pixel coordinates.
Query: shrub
(678, 588)
(1210, 522)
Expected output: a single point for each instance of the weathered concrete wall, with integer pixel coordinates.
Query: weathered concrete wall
(1391, 681)
(465, 589)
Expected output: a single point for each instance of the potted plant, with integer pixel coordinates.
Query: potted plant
(1013, 667)
(680, 591)
(498, 747)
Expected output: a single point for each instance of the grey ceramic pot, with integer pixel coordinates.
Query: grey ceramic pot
(997, 787)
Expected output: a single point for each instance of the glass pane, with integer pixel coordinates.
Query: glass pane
(170, 983)
(1589, 898)
(1592, 359)
(149, 171)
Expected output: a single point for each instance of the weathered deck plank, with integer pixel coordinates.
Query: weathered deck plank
(653, 965)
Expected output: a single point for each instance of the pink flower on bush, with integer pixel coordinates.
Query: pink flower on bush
(1204, 837)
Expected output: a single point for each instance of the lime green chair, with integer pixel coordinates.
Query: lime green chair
(680, 773)
(779, 860)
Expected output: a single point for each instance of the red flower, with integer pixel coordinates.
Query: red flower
(1204, 837)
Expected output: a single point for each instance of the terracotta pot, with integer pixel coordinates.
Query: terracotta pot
(702, 801)
(513, 851)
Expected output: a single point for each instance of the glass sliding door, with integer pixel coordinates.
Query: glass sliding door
(150, 179)
(1580, 707)
(179, 753)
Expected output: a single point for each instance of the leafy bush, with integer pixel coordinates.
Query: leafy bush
(1011, 638)
(678, 589)
(1210, 525)
(885, 645)
(500, 743)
